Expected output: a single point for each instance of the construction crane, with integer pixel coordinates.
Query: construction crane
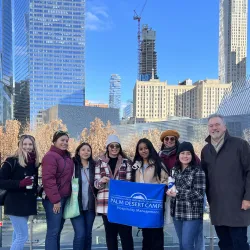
(138, 19)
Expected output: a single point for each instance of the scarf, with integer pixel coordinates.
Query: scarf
(218, 145)
(169, 151)
(31, 158)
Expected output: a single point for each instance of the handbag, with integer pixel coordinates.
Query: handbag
(71, 209)
(4, 192)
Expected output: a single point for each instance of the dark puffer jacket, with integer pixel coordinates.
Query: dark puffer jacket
(18, 201)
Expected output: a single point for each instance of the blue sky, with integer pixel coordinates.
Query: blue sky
(187, 42)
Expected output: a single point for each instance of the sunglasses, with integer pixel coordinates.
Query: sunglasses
(169, 139)
(26, 136)
(112, 146)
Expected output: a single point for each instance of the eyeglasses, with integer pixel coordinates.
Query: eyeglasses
(112, 146)
(26, 136)
(169, 139)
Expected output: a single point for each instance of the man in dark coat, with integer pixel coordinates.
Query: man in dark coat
(226, 162)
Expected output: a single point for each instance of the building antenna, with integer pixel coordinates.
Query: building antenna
(138, 19)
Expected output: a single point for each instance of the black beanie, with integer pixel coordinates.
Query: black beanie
(186, 146)
(59, 134)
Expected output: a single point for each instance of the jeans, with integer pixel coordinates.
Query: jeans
(199, 241)
(20, 233)
(153, 239)
(232, 238)
(55, 224)
(82, 225)
(187, 231)
(112, 230)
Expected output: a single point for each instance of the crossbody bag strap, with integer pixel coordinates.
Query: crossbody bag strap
(12, 168)
(91, 190)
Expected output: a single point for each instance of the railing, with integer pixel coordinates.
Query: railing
(37, 229)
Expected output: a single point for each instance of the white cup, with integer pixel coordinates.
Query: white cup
(31, 186)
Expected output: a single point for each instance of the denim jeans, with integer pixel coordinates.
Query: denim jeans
(20, 233)
(187, 232)
(82, 225)
(55, 224)
(199, 241)
(232, 238)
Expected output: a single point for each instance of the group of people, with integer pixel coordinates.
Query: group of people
(222, 173)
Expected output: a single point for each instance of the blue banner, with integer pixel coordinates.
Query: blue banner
(136, 204)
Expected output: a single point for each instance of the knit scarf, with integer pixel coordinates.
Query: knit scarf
(169, 151)
(31, 158)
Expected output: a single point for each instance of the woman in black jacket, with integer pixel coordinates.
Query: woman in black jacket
(19, 176)
(85, 171)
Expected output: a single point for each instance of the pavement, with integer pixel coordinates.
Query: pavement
(104, 247)
(98, 234)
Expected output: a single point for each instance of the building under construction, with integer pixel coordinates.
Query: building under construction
(148, 55)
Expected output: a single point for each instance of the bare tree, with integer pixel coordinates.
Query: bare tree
(97, 135)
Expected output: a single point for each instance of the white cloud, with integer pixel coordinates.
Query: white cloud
(97, 17)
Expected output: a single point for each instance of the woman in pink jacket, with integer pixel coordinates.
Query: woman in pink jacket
(57, 171)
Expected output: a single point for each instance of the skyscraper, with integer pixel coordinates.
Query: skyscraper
(6, 61)
(128, 109)
(49, 52)
(148, 58)
(232, 40)
(115, 91)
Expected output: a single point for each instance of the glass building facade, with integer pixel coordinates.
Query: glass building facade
(50, 52)
(6, 61)
(115, 91)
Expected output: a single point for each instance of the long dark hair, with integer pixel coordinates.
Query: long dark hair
(77, 157)
(152, 156)
(124, 156)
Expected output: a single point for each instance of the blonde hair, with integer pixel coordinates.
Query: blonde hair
(22, 155)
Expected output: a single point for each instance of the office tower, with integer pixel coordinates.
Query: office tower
(202, 100)
(6, 61)
(128, 110)
(115, 91)
(150, 100)
(50, 52)
(148, 57)
(232, 40)
(157, 101)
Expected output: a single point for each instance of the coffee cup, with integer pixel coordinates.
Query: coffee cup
(30, 186)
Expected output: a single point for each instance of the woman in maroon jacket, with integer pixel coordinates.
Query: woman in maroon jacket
(169, 148)
(57, 171)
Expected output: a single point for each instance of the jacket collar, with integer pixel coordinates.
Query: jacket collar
(227, 135)
(106, 159)
(139, 164)
(63, 153)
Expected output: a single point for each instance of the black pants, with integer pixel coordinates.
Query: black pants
(112, 230)
(232, 238)
(153, 239)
